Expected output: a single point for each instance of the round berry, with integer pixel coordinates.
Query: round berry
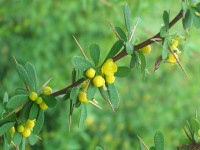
(46, 90)
(171, 58)
(109, 67)
(90, 73)
(39, 100)
(20, 128)
(33, 96)
(29, 124)
(146, 49)
(82, 96)
(110, 79)
(12, 131)
(199, 132)
(175, 43)
(98, 81)
(26, 133)
(43, 106)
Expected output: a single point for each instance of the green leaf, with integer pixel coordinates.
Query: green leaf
(134, 60)
(152, 148)
(104, 93)
(81, 63)
(10, 118)
(20, 91)
(34, 111)
(163, 31)
(122, 71)
(166, 19)
(24, 76)
(5, 143)
(127, 18)
(114, 95)
(5, 98)
(83, 114)
(95, 53)
(32, 139)
(143, 63)
(115, 49)
(17, 100)
(187, 20)
(121, 33)
(67, 95)
(17, 138)
(22, 146)
(5, 127)
(91, 91)
(129, 48)
(25, 112)
(39, 122)
(159, 141)
(165, 50)
(30, 69)
(195, 124)
(74, 95)
(49, 100)
(196, 19)
(98, 148)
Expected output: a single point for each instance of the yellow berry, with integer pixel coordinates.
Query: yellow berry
(43, 106)
(109, 67)
(82, 96)
(46, 90)
(39, 100)
(20, 128)
(199, 132)
(171, 58)
(146, 49)
(175, 43)
(98, 81)
(90, 73)
(33, 96)
(12, 131)
(110, 79)
(29, 124)
(26, 133)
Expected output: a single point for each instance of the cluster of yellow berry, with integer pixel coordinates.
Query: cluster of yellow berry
(33, 96)
(25, 129)
(174, 49)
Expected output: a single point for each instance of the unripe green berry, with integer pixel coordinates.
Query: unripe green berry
(20, 128)
(46, 90)
(98, 81)
(39, 100)
(90, 73)
(33, 96)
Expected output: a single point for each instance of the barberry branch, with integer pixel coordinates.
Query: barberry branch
(123, 53)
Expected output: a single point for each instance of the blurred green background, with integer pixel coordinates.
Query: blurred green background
(40, 31)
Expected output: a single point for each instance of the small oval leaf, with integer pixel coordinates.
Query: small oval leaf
(17, 100)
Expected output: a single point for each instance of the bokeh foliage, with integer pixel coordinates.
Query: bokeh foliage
(40, 31)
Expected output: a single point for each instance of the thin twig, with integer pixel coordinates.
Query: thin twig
(15, 110)
(113, 28)
(95, 105)
(187, 134)
(143, 143)
(133, 31)
(82, 51)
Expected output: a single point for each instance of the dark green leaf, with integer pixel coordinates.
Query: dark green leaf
(30, 69)
(121, 33)
(74, 95)
(5, 143)
(127, 18)
(81, 63)
(134, 60)
(104, 93)
(24, 76)
(5, 127)
(20, 91)
(91, 91)
(129, 48)
(50, 100)
(22, 146)
(159, 141)
(113, 95)
(17, 100)
(187, 20)
(196, 19)
(10, 118)
(152, 148)
(39, 122)
(115, 49)
(122, 71)
(5, 98)
(98, 148)
(95, 53)
(163, 31)
(195, 124)
(67, 95)
(17, 138)
(166, 19)
(32, 139)
(83, 114)
(165, 50)
(143, 63)
(34, 111)
(25, 112)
